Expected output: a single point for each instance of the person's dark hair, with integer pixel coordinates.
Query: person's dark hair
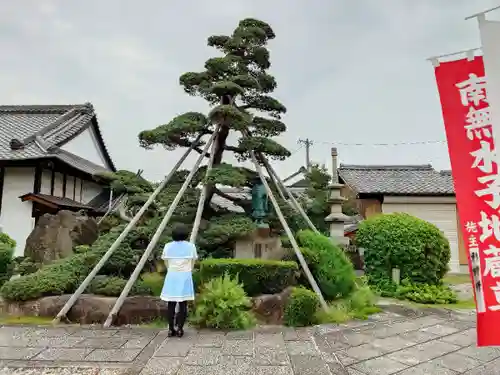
(180, 232)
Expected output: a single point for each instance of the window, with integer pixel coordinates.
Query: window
(257, 250)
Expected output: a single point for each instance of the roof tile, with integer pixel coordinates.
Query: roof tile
(397, 179)
(52, 125)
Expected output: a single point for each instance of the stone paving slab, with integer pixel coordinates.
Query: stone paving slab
(397, 341)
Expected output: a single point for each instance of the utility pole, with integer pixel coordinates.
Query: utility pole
(308, 143)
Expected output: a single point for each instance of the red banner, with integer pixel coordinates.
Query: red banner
(462, 90)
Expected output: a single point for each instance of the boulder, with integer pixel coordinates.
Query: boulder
(94, 309)
(54, 236)
(91, 309)
(270, 308)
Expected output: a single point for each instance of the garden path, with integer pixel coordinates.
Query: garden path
(399, 340)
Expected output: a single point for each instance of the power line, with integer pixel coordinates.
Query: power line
(297, 149)
(382, 144)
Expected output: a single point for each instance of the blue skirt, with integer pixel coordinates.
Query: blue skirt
(178, 287)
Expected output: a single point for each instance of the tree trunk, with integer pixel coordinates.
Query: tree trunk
(220, 143)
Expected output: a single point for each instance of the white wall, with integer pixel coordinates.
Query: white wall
(85, 145)
(58, 184)
(46, 181)
(70, 183)
(78, 190)
(15, 218)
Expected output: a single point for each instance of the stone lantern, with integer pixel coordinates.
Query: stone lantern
(336, 219)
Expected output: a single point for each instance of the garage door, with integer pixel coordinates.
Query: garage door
(442, 215)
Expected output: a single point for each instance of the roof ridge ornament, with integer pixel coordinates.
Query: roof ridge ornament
(16, 144)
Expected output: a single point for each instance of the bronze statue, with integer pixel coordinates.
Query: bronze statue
(260, 202)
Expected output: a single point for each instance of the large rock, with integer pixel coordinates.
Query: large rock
(269, 308)
(54, 236)
(94, 309)
(91, 309)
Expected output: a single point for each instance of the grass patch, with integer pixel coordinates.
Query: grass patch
(457, 278)
(154, 281)
(460, 305)
(25, 320)
(341, 312)
(359, 305)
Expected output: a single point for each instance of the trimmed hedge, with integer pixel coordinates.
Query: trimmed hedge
(258, 276)
(418, 248)
(300, 310)
(334, 272)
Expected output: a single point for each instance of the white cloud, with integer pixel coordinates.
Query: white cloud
(347, 71)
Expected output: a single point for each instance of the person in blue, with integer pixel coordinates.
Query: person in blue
(179, 257)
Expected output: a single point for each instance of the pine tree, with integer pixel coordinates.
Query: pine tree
(238, 88)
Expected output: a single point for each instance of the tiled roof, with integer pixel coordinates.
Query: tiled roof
(59, 201)
(397, 179)
(39, 130)
(99, 204)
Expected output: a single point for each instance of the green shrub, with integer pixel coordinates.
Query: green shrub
(6, 262)
(425, 293)
(154, 281)
(223, 304)
(197, 280)
(112, 286)
(123, 261)
(300, 310)
(258, 276)
(25, 265)
(62, 276)
(65, 275)
(334, 272)
(358, 305)
(7, 240)
(312, 260)
(418, 248)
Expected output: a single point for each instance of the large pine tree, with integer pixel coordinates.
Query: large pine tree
(237, 86)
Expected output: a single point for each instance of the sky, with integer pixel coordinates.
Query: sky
(349, 72)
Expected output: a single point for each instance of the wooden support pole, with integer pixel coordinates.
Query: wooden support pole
(69, 304)
(289, 233)
(138, 269)
(293, 201)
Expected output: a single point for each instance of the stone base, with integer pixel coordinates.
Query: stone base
(93, 309)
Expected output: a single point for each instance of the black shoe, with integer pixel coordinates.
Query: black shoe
(172, 333)
(180, 332)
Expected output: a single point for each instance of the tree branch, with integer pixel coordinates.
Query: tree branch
(183, 142)
(234, 149)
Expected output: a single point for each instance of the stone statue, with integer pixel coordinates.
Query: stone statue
(260, 202)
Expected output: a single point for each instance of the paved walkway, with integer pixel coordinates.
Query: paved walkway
(399, 341)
